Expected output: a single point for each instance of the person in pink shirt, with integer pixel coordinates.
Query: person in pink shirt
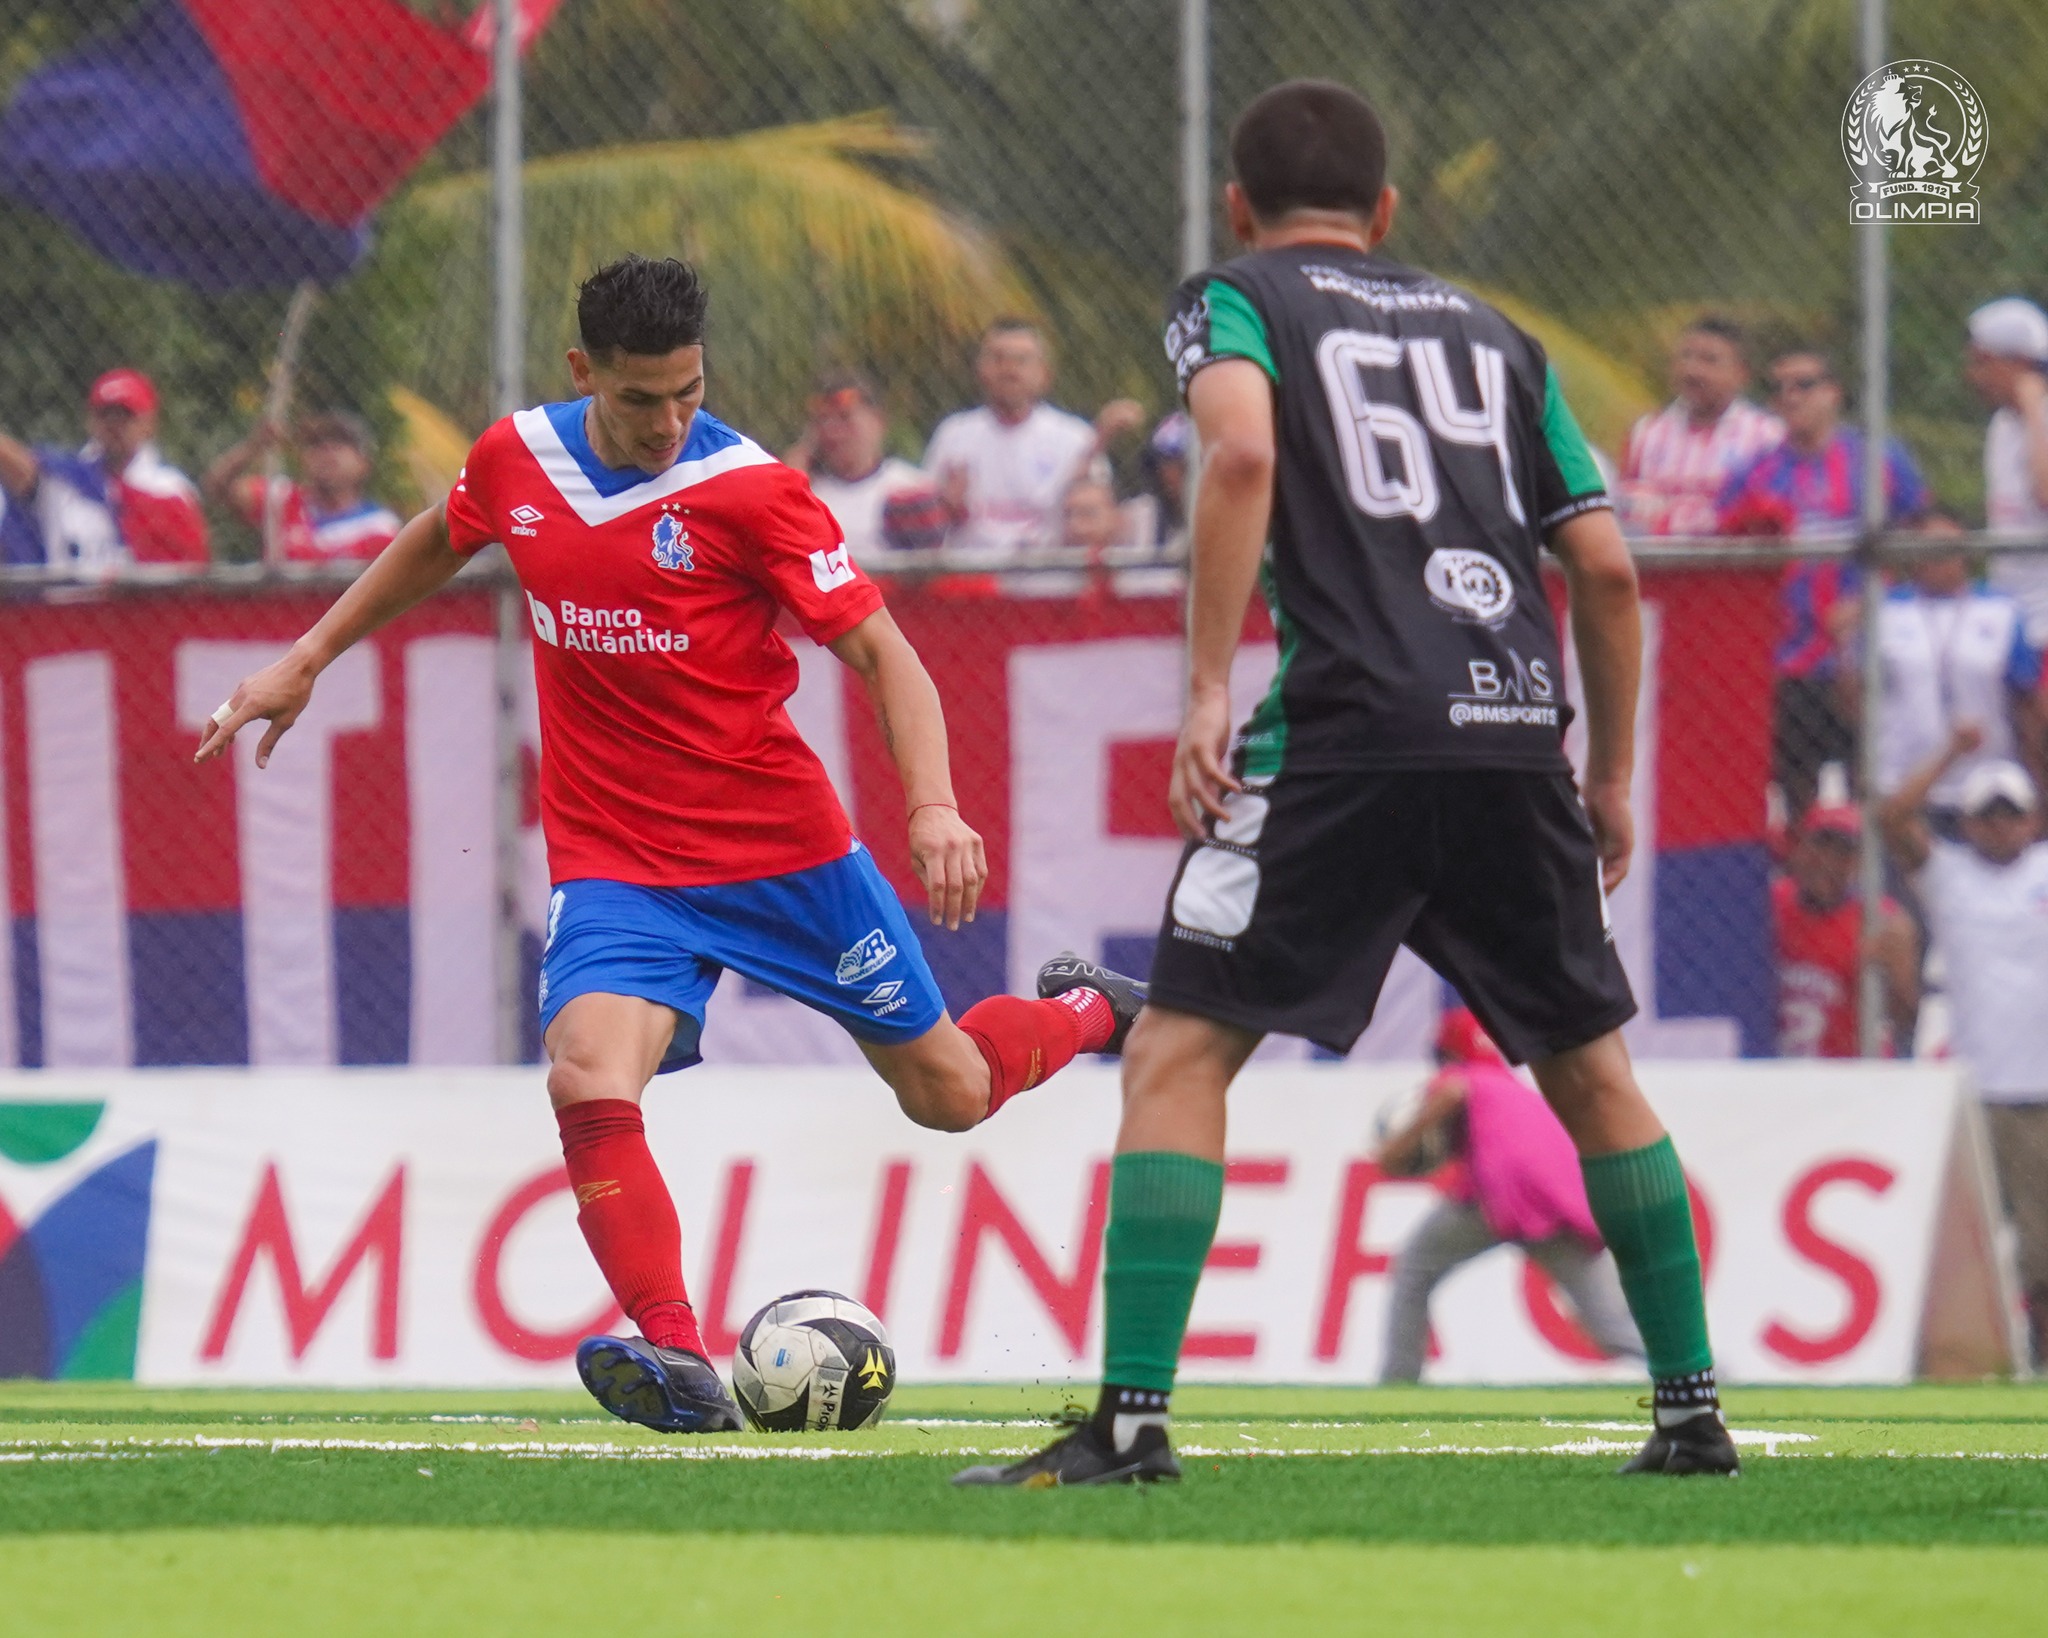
(1516, 1183)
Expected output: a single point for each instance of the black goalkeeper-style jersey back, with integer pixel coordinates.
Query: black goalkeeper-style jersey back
(1424, 451)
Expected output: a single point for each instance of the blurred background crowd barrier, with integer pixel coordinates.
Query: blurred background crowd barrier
(266, 232)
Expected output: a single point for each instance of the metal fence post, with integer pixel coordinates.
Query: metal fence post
(1195, 205)
(508, 255)
(1875, 299)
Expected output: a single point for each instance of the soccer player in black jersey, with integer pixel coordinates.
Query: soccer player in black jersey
(1385, 455)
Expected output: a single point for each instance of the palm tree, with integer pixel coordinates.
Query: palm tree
(813, 255)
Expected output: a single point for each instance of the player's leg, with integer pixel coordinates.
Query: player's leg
(836, 938)
(955, 1076)
(1454, 1232)
(1637, 1191)
(1276, 923)
(619, 1003)
(1517, 922)
(1165, 1194)
(1589, 1279)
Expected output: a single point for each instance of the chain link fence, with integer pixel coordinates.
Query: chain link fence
(281, 216)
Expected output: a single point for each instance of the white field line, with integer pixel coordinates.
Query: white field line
(134, 1448)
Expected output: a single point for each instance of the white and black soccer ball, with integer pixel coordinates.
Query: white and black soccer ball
(813, 1361)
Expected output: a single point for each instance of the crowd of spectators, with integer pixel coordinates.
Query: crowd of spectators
(998, 480)
(115, 500)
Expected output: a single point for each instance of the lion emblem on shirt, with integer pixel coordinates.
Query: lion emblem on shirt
(672, 549)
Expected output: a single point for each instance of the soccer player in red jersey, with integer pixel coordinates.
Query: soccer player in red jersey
(689, 828)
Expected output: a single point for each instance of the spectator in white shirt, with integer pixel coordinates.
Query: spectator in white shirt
(1678, 459)
(1004, 467)
(845, 450)
(1986, 900)
(1952, 652)
(2007, 362)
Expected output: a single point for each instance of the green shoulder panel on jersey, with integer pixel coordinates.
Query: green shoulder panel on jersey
(1265, 731)
(1567, 443)
(1235, 328)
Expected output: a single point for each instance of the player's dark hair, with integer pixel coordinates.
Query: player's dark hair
(1724, 328)
(634, 305)
(1309, 145)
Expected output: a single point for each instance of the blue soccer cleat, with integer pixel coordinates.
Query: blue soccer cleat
(661, 1388)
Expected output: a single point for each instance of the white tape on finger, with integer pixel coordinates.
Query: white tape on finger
(222, 712)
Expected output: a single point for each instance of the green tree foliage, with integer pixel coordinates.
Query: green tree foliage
(1610, 166)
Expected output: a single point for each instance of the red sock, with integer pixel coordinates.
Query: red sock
(1025, 1042)
(628, 1219)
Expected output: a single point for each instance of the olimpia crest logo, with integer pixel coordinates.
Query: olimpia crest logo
(1914, 134)
(71, 1277)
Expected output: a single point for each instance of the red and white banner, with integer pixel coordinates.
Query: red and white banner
(416, 1226)
(338, 907)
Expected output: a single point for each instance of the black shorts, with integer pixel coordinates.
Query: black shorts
(1288, 917)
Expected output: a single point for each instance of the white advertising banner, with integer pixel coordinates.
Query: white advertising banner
(415, 1226)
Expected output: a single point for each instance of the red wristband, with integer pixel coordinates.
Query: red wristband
(912, 814)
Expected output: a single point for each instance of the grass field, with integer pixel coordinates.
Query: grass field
(1448, 1510)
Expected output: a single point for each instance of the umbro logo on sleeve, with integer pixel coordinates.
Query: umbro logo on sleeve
(833, 569)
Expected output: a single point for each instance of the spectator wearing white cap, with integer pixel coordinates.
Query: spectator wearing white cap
(114, 499)
(2007, 362)
(1986, 901)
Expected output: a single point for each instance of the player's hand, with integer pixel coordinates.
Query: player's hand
(948, 857)
(1614, 830)
(1964, 739)
(276, 694)
(1195, 795)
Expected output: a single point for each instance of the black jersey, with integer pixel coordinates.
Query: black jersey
(1424, 451)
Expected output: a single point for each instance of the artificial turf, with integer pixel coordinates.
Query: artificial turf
(1446, 1510)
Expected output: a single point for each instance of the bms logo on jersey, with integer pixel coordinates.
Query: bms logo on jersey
(1469, 586)
(1519, 694)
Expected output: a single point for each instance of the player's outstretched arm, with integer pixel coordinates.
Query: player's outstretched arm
(1607, 629)
(1232, 404)
(418, 562)
(944, 849)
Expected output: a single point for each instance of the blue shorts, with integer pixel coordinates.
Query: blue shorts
(833, 937)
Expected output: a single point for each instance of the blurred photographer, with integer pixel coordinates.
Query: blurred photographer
(1519, 1185)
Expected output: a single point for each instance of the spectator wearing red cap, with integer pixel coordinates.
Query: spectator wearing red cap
(327, 515)
(1818, 920)
(1519, 1184)
(114, 500)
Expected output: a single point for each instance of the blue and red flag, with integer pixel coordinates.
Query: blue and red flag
(237, 144)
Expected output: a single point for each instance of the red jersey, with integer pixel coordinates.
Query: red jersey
(1819, 955)
(667, 757)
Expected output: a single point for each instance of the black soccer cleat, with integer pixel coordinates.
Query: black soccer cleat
(1067, 971)
(1699, 1444)
(661, 1388)
(1084, 1457)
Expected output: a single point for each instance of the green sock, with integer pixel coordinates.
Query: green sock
(1163, 1208)
(1639, 1202)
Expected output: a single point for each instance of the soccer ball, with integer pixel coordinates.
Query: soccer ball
(813, 1361)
